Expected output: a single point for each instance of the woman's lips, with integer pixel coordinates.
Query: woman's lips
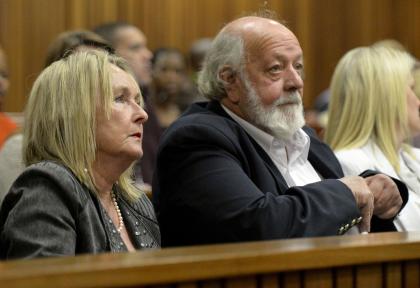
(136, 135)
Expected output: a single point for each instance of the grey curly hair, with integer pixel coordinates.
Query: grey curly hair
(227, 50)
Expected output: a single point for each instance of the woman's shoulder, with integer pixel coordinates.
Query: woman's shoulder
(53, 170)
(52, 176)
(416, 152)
(353, 160)
(350, 154)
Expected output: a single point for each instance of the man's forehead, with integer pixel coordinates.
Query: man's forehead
(129, 34)
(254, 24)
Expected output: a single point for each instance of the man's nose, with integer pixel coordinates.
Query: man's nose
(147, 54)
(293, 80)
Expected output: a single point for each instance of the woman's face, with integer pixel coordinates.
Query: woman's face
(413, 106)
(121, 135)
(169, 73)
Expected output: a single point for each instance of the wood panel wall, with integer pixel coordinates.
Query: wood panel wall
(326, 29)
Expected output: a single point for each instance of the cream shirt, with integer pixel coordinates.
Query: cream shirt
(355, 161)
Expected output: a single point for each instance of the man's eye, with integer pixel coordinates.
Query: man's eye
(275, 69)
(4, 75)
(299, 66)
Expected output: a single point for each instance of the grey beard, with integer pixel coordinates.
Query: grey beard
(279, 120)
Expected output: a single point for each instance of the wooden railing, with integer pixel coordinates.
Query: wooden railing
(374, 260)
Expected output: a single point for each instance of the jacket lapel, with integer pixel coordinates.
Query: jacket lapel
(322, 158)
(281, 184)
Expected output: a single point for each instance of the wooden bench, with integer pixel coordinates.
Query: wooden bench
(374, 260)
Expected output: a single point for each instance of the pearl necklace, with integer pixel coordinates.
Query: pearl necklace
(120, 218)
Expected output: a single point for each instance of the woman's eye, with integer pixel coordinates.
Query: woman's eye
(119, 99)
(138, 101)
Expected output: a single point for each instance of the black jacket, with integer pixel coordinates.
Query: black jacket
(48, 212)
(214, 183)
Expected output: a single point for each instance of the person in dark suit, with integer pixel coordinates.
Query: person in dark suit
(241, 168)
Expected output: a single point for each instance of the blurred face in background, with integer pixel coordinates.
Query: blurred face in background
(4, 78)
(169, 73)
(132, 46)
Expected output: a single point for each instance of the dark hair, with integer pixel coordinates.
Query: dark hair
(108, 30)
(67, 42)
(166, 50)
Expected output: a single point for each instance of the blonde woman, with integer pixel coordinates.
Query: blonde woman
(373, 112)
(83, 132)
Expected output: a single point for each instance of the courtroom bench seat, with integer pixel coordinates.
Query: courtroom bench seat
(374, 260)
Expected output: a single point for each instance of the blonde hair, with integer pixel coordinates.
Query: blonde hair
(60, 114)
(368, 100)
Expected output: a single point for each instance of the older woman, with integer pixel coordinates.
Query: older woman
(83, 131)
(373, 111)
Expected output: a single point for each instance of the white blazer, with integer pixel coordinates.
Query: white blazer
(357, 160)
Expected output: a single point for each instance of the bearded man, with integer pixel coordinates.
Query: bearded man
(242, 168)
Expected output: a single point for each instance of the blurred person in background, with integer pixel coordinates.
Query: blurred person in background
(170, 86)
(7, 125)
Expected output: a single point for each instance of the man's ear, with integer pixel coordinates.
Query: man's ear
(230, 80)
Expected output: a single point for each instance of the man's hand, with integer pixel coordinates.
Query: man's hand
(364, 199)
(387, 197)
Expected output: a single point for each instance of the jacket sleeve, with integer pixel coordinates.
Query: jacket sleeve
(203, 188)
(37, 217)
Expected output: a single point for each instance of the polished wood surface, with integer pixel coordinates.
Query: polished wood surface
(374, 260)
(325, 28)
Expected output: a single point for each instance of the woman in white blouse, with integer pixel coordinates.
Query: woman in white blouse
(373, 112)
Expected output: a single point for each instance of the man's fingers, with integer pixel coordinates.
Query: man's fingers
(367, 212)
(387, 197)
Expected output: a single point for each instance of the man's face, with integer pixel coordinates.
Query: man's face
(281, 119)
(131, 44)
(272, 84)
(4, 78)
